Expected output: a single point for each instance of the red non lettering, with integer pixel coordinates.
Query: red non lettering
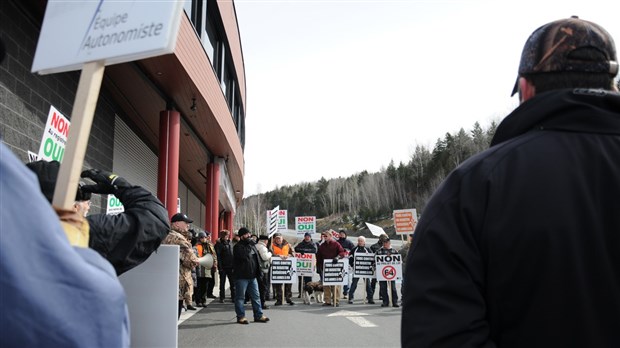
(60, 124)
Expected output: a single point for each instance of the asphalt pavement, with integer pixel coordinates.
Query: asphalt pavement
(300, 325)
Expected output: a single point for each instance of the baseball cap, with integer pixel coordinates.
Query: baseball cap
(558, 47)
(308, 234)
(181, 217)
(277, 234)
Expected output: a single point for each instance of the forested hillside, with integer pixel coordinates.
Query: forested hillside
(368, 197)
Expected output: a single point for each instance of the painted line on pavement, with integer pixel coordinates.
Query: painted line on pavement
(361, 321)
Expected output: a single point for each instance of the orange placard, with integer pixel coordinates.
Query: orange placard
(405, 221)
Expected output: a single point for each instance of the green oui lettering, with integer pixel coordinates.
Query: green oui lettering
(53, 151)
(115, 202)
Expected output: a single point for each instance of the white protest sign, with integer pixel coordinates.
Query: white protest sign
(283, 271)
(76, 32)
(282, 220)
(305, 224)
(335, 273)
(54, 138)
(32, 157)
(114, 205)
(363, 265)
(389, 267)
(272, 220)
(306, 264)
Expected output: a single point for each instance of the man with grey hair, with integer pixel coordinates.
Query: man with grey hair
(360, 248)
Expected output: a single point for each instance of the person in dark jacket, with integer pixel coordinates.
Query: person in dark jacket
(347, 245)
(374, 248)
(246, 265)
(383, 285)
(224, 251)
(519, 245)
(126, 239)
(360, 248)
(306, 246)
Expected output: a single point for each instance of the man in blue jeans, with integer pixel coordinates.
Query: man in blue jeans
(246, 264)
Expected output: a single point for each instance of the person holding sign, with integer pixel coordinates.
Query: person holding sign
(387, 249)
(53, 294)
(360, 248)
(126, 239)
(280, 247)
(330, 249)
(306, 246)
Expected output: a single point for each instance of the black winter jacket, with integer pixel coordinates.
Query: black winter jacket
(246, 260)
(128, 239)
(358, 249)
(224, 251)
(519, 246)
(306, 247)
(347, 245)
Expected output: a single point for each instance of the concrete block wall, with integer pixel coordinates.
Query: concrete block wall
(25, 98)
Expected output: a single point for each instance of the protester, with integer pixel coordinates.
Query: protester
(213, 270)
(204, 276)
(374, 248)
(387, 249)
(224, 251)
(306, 246)
(178, 235)
(360, 248)
(246, 263)
(404, 251)
(347, 245)
(126, 239)
(281, 248)
(519, 245)
(330, 249)
(82, 201)
(265, 263)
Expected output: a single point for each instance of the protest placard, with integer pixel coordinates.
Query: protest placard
(335, 273)
(306, 264)
(389, 267)
(364, 265)
(283, 271)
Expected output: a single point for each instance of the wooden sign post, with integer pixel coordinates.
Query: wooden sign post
(82, 117)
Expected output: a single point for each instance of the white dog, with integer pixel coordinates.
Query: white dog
(315, 288)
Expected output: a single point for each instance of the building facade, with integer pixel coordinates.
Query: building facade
(174, 124)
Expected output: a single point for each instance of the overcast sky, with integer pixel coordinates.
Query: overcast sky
(338, 87)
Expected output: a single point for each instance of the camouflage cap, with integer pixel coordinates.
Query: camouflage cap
(555, 47)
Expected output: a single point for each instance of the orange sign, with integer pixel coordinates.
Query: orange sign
(405, 221)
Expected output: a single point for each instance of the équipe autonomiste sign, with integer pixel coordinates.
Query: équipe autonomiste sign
(113, 31)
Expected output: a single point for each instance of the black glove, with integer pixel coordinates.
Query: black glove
(302, 253)
(335, 260)
(105, 182)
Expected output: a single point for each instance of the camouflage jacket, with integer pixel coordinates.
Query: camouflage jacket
(187, 259)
